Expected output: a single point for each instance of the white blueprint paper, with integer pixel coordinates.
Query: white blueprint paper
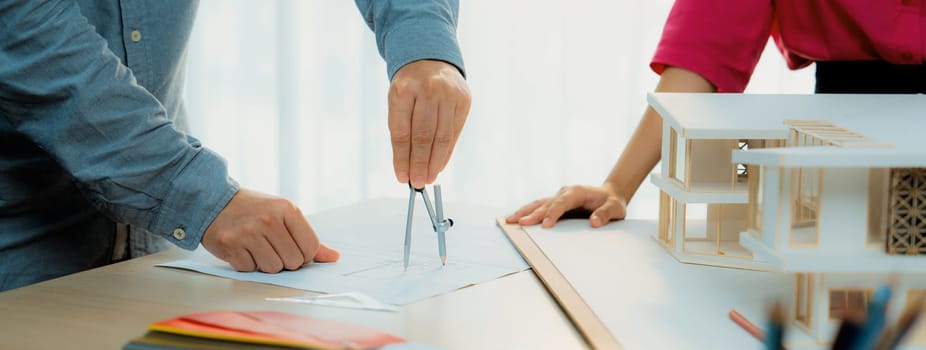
(370, 237)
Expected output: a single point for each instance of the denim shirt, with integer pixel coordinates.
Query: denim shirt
(91, 114)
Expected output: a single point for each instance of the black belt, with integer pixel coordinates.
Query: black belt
(870, 77)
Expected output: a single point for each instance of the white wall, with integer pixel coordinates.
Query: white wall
(843, 217)
(776, 207)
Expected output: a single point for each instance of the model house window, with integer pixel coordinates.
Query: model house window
(710, 166)
(673, 226)
(668, 217)
(845, 301)
(878, 190)
(803, 305)
(806, 182)
(808, 195)
(756, 199)
(696, 217)
(805, 204)
(677, 154)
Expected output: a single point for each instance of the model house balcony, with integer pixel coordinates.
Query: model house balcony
(704, 193)
(704, 233)
(703, 199)
(705, 165)
(836, 209)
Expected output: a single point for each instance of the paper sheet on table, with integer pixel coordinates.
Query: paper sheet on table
(370, 237)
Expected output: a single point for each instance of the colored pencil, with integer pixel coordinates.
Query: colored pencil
(874, 325)
(749, 327)
(776, 328)
(849, 329)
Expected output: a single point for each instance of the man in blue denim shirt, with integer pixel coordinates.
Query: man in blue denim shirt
(90, 135)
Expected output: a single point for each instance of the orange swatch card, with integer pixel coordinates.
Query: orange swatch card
(276, 328)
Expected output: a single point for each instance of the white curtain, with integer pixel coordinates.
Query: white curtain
(292, 93)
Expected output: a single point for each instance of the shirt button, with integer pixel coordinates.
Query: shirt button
(136, 36)
(179, 234)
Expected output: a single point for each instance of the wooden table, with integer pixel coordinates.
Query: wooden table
(106, 307)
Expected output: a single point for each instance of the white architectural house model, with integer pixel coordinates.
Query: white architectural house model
(830, 188)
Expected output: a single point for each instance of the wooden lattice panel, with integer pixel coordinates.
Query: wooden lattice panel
(907, 212)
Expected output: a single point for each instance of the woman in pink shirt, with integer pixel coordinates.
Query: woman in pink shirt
(870, 46)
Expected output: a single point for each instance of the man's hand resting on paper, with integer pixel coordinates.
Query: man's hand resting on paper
(604, 203)
(428, 105)
(266, 233)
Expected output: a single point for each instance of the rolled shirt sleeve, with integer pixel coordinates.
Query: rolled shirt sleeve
(64, 89)
(412, 30)
(718, 39)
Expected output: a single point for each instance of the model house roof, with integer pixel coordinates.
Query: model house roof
(892, 119)
(833, 157)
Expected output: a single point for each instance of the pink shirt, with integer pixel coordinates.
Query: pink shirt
(722, 39)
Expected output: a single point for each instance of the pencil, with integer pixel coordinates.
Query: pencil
(747, 326)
